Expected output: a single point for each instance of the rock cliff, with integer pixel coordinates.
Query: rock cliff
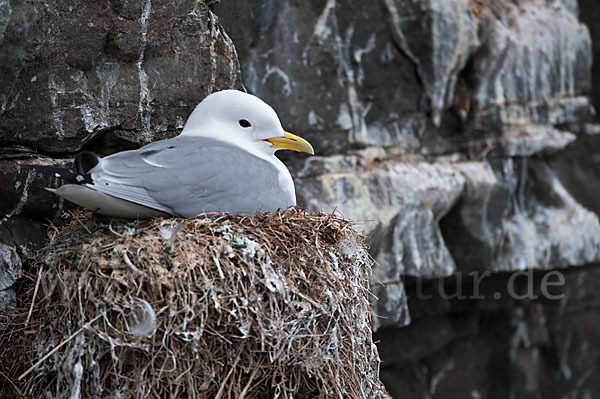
(461, 134)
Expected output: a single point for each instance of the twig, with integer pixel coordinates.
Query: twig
(13, 384)
(130, 264)
(113, 230)
(35, 290)
(252, 375)
(80, 222)
(56, 348)
(237, 359)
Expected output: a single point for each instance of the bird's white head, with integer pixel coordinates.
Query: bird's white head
(244, 120)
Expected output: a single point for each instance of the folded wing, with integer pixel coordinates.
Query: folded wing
(188, 175)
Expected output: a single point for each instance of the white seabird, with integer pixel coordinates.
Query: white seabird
(223, 160)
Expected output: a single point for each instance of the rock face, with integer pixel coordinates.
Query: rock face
(460, 133)
(497, 347)
(93, 68)
(104, 76)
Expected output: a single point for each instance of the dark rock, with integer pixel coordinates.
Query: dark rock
(24, 174)
(483, 347)
(133, 70)
(578, 168)
(25, 234)
(538, 346)
(590, 14)
(323, 68)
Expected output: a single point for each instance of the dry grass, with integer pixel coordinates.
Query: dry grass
(271, 306)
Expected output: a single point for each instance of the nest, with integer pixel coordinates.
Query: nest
(222, 306)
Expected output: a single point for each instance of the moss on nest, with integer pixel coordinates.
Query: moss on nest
(224, 306)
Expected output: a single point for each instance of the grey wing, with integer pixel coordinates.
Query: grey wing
(185, 176)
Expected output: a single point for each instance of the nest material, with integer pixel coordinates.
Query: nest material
(271, 306)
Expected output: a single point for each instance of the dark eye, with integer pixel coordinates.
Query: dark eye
(244, 123)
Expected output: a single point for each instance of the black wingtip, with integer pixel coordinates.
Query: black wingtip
(83, 163)
(60, 173)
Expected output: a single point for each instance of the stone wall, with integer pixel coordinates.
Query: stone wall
(461, 134)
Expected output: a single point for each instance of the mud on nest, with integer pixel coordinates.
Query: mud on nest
(224, 306)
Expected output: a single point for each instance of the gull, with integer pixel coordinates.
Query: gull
(223, 160)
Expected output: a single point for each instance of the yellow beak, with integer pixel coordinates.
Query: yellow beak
(291, 142)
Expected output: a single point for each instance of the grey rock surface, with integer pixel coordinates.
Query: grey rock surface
(102, 76)
(131, 71)
(398, 204)
(579, 166)
(11, 267)
(504, 80)
(533, 66)
(8, 299)
(515, 214)
(313, 62)
(589, 14)
(439, 36)
(458, 134)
